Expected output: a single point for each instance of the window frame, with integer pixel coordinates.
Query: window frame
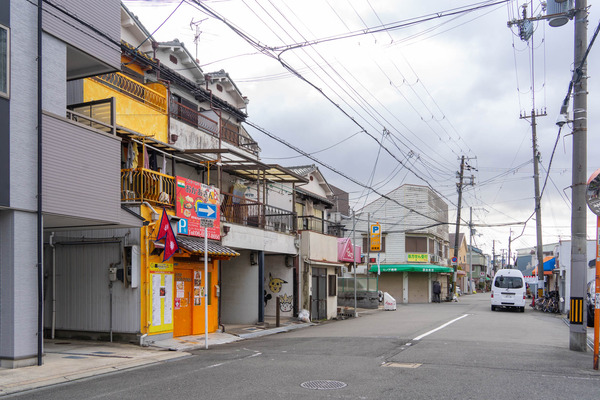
(7, 74)
(332, 285)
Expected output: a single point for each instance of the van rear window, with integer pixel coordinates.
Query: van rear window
(508, 282)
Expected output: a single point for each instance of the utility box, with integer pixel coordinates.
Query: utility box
(389, 303)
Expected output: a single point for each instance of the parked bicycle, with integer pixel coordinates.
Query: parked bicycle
(549, 303)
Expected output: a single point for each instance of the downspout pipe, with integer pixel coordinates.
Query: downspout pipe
(51, 242)
(40, 225)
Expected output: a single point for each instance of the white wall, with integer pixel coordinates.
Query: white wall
(239, 290)
(279, 282)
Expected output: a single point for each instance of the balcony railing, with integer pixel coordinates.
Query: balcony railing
(315, 224)
(134, 89)
(193, 118)
(98, 114)
(233, 137)
(243, 211)
(140, 184)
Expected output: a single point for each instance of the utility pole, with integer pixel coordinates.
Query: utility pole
(509, 236)
(494, 256)
(577, 327)
(459, 187)
(469, 288)
(526, 34)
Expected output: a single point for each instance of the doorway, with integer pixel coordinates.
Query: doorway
(319, 294)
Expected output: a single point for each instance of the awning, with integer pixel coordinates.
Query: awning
(549, 263)
(196, 246)
(411, 268)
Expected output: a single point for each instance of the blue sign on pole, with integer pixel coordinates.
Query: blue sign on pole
(204, 210)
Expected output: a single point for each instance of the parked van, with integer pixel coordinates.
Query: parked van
(508, 290)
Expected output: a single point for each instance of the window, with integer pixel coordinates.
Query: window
(415, 244)
(4, 60)
(332, 283)
(508, 282)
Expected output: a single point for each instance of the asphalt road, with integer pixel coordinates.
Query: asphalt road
(420, 351)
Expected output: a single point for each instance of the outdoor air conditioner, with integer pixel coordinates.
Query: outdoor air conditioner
(434, 258)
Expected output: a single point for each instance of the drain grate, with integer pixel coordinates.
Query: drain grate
(323, 385)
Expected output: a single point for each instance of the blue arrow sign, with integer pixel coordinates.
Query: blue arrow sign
(204, 210)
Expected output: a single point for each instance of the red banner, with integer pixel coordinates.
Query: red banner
(196, 201)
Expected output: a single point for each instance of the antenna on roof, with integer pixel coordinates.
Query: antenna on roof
(196, 26)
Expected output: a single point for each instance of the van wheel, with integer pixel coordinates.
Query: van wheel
(493, 308)
(522, 309)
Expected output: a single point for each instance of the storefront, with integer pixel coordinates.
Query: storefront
(410, 283)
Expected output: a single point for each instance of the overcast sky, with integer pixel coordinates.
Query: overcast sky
(403, 104)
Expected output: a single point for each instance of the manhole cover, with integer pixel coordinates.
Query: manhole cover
(323, 385)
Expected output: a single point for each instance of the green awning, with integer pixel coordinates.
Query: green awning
(411, 268)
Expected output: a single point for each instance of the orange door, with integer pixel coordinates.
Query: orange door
(184, 302)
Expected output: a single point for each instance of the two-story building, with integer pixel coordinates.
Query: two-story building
(413, 253)
(319, 261)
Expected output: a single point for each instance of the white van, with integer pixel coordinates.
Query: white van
(508, 290)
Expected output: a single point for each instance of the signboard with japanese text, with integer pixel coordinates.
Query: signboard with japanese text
(375, 237)
(194, 202)
(417, 257)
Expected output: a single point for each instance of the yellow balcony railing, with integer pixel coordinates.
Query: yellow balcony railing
(140, 184)
(136, 90)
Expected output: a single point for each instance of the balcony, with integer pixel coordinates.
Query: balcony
(95, 114)
(233, 137)
(135, 90)
(193, 118)
(140, 184)
(243, 211)
(316, 224)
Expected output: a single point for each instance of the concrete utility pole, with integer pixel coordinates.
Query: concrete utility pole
(577, 327)
(469, 288)
(459, 186)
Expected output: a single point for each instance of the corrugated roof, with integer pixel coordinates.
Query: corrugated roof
(196, 246)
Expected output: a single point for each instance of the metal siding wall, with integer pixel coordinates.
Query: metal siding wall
(82, 293)
(70, 26)
(23, 100)
(75, 91)
(81, 171)
(4, 125)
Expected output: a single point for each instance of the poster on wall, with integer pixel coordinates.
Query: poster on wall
(196, 201)
(161, 280)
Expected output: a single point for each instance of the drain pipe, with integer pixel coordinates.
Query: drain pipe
(51, 242)
(40, 224)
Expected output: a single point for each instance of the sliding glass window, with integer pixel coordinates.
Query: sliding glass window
(4, 60)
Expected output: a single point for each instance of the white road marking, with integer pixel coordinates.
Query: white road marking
(440, 327)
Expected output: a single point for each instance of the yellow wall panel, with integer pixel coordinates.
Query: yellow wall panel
(131, 113)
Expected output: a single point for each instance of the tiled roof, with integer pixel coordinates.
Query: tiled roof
(196, 245)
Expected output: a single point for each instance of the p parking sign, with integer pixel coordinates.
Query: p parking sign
(375, 237)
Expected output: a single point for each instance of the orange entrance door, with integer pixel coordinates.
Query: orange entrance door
(184, 302)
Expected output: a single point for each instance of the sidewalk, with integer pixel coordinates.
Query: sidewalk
(69, 360)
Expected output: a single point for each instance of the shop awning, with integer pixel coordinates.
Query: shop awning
(196, 246)
(411, 268)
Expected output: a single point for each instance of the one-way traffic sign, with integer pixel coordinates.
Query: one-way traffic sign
(204, 210)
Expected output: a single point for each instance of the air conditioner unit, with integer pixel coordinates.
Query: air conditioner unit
(434, 258)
